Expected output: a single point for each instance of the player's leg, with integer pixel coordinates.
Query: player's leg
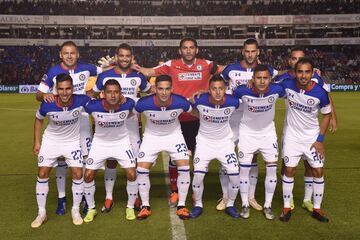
(173, 175)
(42, 190)
(60, 175)
(316, 162)
(183, 183)
(89, 190)
(132, 191)
(308, 185)
(77, 191)
(224, 182)
(142, 170)
(109, 178)
(254, 172)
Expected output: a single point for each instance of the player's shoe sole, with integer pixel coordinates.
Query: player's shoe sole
(130, 214)
(76, 217)
(108, 205)
(39, 220)
(255, 205)
(308, 205)
(90, 215)
(285, 215)
(231, 211)
(221, 206)
(144, 213)
(61, 207)
(196, 212)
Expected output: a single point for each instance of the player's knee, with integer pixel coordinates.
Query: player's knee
(43, 174)
(289, 171)
(131, 175)
(76, 173)
(317, 172)
(89, 176)
(111, 164)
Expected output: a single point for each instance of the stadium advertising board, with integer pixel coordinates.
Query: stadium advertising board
(9, 88)
(28, 88)
(345, 87)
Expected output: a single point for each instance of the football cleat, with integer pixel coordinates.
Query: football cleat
(90, 215)
(245, 212)
(319, 215)
(144, 213)
(39, 220)
(221, 206)
(183, 213)
(61, 207)
(137, 205)
(173, 199)
(268, 213)
(130, 214)
(254, 204)
(308, 205)
(231, 211)
(76, 217)
(107, 206)
(285, 215)
(196, 212)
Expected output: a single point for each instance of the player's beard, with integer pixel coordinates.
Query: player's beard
(124, 68)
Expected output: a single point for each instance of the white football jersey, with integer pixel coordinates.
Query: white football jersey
(64, 122)
(161, 121)
(214, 120)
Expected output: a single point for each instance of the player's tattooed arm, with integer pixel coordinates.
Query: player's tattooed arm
(333, 121)
(319, 143)
(46, 97)
(37, 135)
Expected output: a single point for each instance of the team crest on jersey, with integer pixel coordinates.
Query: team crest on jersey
(75, 113)
(199, 67)
(82, 77)
(286, 159)
(122, 115)
(196, 160)
(44, 77)
(271, 99)
(141, 155)
(311, 101)
(173, 114)
(227, 111)
(40, 159)
(133, 82)
(89, 161)
(241, 154)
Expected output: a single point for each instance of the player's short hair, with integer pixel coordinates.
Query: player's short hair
(185, 39)
(124, 46)
(63, 77)
(251, 41)
(69, 43)
(163, 78)
(111, 82)
(216, 78)
(297, 49)
(261, 68)
(304, 60)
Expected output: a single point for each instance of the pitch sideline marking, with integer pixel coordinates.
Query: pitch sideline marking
(19, 109)
(177, 225)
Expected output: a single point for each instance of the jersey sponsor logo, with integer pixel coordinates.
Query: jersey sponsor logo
(214, 119)
(300, 107)
(190, 76)
(271, 99)
(66, 122)
(82, 77)
(311, 101)
(40, 159)
(196, 160)
(122, 115)
(114, 124)
(89, 161)
(173, 114)
(227, 111)
(141, 154)
(199, 67)
(257, 109)
(133, 82)
(75, 113)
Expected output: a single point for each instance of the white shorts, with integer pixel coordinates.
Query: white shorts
(151, 146)
(265, 144)
(132, 125)
(224, 151)
(50, 151)
(293, 151)
(85, 134)
(120, 151)
(235, 124)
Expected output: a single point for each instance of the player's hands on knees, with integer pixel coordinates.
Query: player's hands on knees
(107, 61)
(36, 148)
(333, 125)
(49, 97)
(319, 148)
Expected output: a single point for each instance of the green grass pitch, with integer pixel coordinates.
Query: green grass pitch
(18, 203)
